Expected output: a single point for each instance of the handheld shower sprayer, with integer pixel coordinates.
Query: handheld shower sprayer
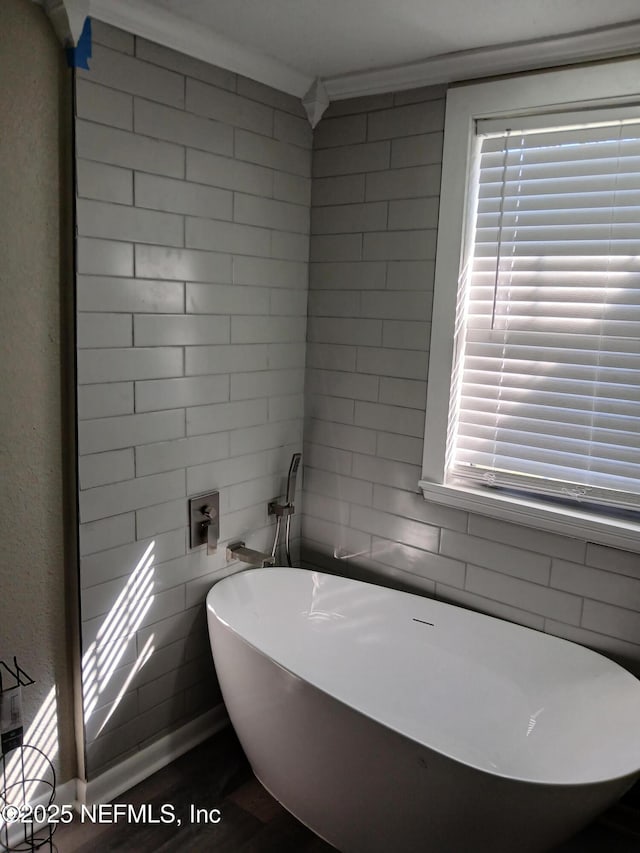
(286, 509)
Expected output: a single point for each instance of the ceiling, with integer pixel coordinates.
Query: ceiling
(362, 46)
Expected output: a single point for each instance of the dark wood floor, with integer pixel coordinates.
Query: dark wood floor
(216, 775)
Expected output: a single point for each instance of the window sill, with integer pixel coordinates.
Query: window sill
(568, 521)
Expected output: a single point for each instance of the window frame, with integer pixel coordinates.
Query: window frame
(593, 86)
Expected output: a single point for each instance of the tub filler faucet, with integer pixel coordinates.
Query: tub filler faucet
(239, 551)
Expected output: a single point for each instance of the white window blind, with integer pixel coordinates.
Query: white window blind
(546, 387)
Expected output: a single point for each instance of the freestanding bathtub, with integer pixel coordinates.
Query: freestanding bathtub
(388, 721)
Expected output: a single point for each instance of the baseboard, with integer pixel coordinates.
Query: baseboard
(136, 768)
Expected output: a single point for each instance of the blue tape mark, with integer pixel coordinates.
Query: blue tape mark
(78, 56)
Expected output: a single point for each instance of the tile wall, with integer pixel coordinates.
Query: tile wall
(376, 176)
(193, 190)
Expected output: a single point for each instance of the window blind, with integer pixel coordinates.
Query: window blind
(546, 388)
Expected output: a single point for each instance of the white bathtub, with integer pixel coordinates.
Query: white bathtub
(387, 721)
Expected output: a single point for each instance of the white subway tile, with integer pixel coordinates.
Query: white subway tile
(397, 474)
(119, 222)
(624, 652)
(161, 518)
(351, 159)
(326, 408)
(403, 364)
(226, 416)
(416, 150)
(116, 365)
(363, 104)
(382, 524)
(98, 469)
(182, 197)
(269, 213)
(399, 245)
(128, 74)
(112, 37)
(226, 299)
(272, 153)
(340, 189)
(420, 94)
(107, 183)
(272, 273)
(166, 603)
(412, 505)
(268, 95)
(326, 458)
(167, 631)
(326, 509)
(181, 264)
(157, 394)
(415, 182)
(225, 472)
(285, 407)
(403, 392)
(228, 107)
(132, 494)
(153, 330)
(390, 418)
(403, 334)
(338, 487)
(597, 584)
(331, 357)
(266, 383)
(293, 129)
(527, 596)
(286, 356)
(225, 359)
(418, 561)
(410, 275)
(228, 237)
(129, 295)
(183, 64)
(105, 400)
(363, 275)
(343, 436)
(257, 491)
(228, 173)
(249, 330)
(397, 306)
(400, 447)
(527, 538)
(613, 560)
(343, 384)
(334, 219)
(346, 130)
(334, 303)
(104, 330)
(337, 330)
(339, 540)
(122, 562)
(103, 105)
(107, 533)
(289, 246)
(129, 430)
(493, 555)
(292, 188)
(182, 127)
(406, 120)
(265, 436)
(121, 148)
(340, 247)
(104, 257)
(288, 303)
(181, 453)
(413, 213)
(451, 595)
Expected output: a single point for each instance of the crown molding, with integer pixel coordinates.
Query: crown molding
(600, 43)
(159, 25)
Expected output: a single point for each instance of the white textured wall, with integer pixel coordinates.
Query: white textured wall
(193, 223)
(376, 180)
(34, 144)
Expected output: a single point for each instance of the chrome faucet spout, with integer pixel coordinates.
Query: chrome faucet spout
(239, 551)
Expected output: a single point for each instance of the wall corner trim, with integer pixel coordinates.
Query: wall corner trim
(68, 17)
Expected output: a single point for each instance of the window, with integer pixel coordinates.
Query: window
(533, 408)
